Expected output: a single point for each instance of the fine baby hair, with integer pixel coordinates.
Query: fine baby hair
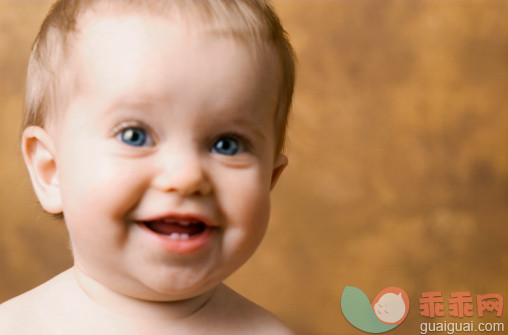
(254, 21)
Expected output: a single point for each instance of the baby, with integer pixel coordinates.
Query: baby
(155, 129)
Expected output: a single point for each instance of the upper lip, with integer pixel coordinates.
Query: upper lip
(185, 217)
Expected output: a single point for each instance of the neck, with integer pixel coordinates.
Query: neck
(122, 305)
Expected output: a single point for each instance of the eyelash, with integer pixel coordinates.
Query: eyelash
(118, 130)
(244, 143)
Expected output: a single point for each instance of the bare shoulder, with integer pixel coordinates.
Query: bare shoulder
(28, 312)
(242, 316)
(17, 316)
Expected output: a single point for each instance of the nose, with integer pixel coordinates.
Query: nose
(184, 174)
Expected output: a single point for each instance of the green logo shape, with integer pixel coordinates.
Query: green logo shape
(358, 311)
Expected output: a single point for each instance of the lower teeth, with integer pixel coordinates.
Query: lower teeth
(177, 236)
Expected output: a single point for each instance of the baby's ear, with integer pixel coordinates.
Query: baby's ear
(39, 154)
(281, 161)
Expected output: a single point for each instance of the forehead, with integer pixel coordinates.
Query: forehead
(119, 56)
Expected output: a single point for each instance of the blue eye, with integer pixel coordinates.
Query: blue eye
(134, 136)
(227, 146)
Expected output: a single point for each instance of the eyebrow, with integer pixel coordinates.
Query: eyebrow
(126, 103)
(252, 126)
(146, 104)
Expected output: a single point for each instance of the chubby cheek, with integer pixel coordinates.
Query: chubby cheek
(97, 194)
(245, 203)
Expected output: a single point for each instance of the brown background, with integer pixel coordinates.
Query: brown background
(399, 161)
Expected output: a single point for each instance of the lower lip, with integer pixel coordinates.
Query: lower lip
(181, 247)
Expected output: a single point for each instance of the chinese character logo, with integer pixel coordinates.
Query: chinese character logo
(460, 304)
(386, 312)
(490, 302)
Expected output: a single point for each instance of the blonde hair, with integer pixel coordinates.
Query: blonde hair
(246, 19)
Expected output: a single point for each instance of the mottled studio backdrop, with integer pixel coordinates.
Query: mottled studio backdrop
(398, 153)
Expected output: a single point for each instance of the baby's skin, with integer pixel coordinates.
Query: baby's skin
(162, 158)
(61, 306)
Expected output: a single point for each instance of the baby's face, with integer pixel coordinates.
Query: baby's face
(165, 156)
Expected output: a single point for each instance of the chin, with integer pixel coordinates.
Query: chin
(177, 287)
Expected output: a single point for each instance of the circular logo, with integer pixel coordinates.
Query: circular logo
(387, 311)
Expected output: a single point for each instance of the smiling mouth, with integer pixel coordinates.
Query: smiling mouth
(177, 229)
(180, 234)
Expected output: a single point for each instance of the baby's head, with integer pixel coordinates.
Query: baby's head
(252, 21)
(156, 128)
